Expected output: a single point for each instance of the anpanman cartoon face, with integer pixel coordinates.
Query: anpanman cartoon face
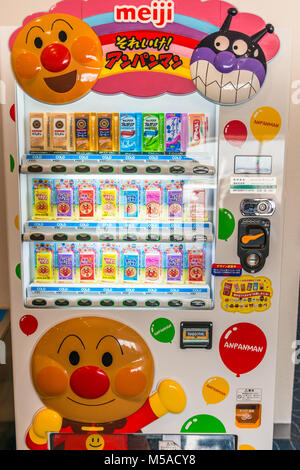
(57, 58)
(92, 370)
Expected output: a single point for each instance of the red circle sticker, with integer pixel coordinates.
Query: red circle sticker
(235, 132)
(28, 324)
(242, 347)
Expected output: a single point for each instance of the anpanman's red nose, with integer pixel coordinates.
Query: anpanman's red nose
(55, 57)
(89, 382)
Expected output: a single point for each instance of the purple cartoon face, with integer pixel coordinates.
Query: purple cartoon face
(229, 67)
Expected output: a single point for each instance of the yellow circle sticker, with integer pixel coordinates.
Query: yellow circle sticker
(215, 390)
(265, 123)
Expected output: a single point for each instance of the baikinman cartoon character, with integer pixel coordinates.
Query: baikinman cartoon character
(229, 67)
(94, 376)
(57, 58)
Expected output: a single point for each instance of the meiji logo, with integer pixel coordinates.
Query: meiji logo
(159, 13)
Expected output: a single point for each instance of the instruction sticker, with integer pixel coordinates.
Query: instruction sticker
(246, 294)
(253, 184)
(249, 395)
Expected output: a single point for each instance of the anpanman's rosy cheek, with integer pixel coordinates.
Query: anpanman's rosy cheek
(27, 65)
(51, 381)
(84, 50)
(129, 382)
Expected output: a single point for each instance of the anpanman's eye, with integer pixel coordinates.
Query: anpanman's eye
(107, 359)
(62, 36)
(38, 42)
(240, 47)
(221, 43)
(74, 358)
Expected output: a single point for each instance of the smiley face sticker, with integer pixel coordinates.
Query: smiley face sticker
(57, 58)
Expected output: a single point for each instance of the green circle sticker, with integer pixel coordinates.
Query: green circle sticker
(162, 330)
(205, 424)
(18, 270)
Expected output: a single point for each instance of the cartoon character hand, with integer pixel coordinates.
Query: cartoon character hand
(169, 398)
(45, 421)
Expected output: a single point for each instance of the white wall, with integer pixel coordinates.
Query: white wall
(281, 15)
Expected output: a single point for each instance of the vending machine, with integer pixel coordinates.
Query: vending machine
(149, 172)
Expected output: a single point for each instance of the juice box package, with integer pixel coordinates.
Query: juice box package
(196, 266)
(176, 132)
(85, 132)
(131, 265)
(131, 200)
(109, 264)
(153, 265)
(42, 199)
(64, 191)
(153, 139)
(44, 264)
(198, 127)
(87, 200)
(66, 264)
(174, 265)
(130, 132)
(197, 204)
(87, 264)
(108, 132)
(175, 201)
(61, 132)
(38, 132)
(109, 200)
(153, 200)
